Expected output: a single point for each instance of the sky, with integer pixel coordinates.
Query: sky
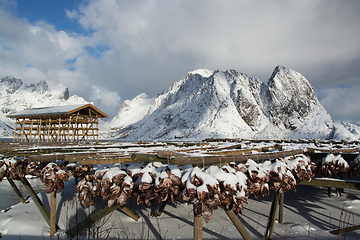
(108, 51)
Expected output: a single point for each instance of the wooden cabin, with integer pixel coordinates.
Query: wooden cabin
(58, 124)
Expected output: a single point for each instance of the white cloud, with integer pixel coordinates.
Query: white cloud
(109, 99)
(145, 46)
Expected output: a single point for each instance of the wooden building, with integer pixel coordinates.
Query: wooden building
(58, 124)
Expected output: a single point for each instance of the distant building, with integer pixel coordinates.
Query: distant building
(58, 124)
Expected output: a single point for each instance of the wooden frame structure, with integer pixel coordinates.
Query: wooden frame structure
(57, 124)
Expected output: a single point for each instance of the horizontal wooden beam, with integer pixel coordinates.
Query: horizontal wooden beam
(206, 160)
(331, 182)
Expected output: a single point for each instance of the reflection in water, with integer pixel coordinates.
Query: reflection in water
(9, 198)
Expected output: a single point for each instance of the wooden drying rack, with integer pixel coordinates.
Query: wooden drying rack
(61, 151)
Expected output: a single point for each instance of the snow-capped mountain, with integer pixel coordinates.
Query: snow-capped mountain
(346, 131)
(227, 104)
(16, 96)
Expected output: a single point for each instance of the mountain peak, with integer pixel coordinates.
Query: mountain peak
(202, 72)
(231, 105)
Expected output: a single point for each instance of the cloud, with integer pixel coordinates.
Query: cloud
(109, 99)
(144, 46)
(341, 103)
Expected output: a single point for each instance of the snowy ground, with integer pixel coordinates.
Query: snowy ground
(308, 214)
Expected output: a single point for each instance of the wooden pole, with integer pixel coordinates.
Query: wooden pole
(13, 185)
(31, 130)
(281, 208)
(48, 133)
(336, 183)
(96, 216)
(232, 158)
(347, 229)
(22, 129)
(40, 130)
(44, 212)
(15, 129)
(53, 214)
(272, 217)
(69, 122)
(198, 228)
(158, 212)
(239, 226)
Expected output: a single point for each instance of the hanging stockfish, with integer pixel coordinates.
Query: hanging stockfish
(53, 178)
(332, 164)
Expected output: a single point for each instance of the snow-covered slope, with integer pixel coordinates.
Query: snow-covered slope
(131, 111)
(346, 131)
(227, 104)
(16, 96)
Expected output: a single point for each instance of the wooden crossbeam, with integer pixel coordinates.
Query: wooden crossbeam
(332, 183)
(18, 193)
(237, 223)
(347, 229)
(96, 216)
(44, 212)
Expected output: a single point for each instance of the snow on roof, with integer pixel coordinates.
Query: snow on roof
(55, 110)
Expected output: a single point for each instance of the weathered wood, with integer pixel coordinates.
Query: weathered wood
(236, 146)
(333, 151)
(245, 151)
(206, 160)
(44, 212)
(168, 154)
(347, 229)
(330, 182)
(198, 231)
(18, 193)
(272, 216)
(239, 226)
(96, 161)
(144, 157)
(158, 212)
(281, 208)
(128, 212)
(53, 214)
(96, 216)
(46, 158)
(57, 127)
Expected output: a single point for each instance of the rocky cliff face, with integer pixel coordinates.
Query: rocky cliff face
(16, 96)
(228, 104)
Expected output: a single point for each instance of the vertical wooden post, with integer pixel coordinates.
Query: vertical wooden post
(53, 214)
(13, 185)
(48, 133)
(281, 208)
(31, 129)
(198, 228)
(40, 130)
(68, 135)
(15, 129)
(239, 226)
(272, 217)
(22, 129)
